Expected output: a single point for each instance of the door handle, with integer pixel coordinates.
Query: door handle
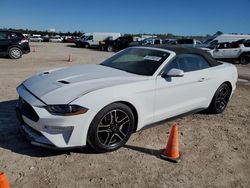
(201, 80)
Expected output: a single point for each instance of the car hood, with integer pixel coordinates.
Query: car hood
(62, 86)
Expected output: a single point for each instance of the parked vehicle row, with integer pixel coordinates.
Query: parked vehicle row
(68, 39)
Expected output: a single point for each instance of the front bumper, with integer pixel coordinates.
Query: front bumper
(47, 130)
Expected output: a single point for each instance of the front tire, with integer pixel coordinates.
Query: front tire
(111, 128)
(220, 99)
(15, 53)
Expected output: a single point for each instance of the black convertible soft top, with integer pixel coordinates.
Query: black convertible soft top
(188, 50)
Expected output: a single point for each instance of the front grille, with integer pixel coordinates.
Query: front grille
(27, 110)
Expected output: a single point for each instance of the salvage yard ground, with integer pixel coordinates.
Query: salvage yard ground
(215, 148)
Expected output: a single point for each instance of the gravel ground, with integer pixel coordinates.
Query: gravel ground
(215, 148)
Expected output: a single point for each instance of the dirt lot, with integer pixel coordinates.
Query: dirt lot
(215, 148)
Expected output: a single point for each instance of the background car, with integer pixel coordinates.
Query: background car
(150, 41)
(13, 44)
(35, 39)
(115, 45)
(232, 51)
(102, 105)
(55, 39)
(186, 42)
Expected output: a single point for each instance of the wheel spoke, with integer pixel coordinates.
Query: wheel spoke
(225, 94)
(123, 121)
(109, 139)
(120, 132)
(119, 136)
(107, 130)
(113, 116)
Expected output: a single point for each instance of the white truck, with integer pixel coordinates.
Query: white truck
(213, 41)
(92, 39)
(232, 51)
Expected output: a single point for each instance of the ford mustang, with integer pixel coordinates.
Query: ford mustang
(102, 105)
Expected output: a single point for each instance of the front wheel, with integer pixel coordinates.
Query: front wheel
(245, 59)
(220, 99)
(15, 53)
(111, 128)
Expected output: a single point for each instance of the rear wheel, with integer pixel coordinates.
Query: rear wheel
(220, 99)
(110, 48)
(245, 59)
(111, 128)
(86, 45)
(15, 53)
(78, 44)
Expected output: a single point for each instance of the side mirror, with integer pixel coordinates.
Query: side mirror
(173, 73)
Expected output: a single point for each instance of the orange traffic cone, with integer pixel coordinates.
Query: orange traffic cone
(171, 152)
(3, 181)
(70, 58)
(34, 49)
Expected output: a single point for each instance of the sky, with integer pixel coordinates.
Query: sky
(180, 17)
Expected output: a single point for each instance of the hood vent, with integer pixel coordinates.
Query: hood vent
(63, 82)
(46, 73)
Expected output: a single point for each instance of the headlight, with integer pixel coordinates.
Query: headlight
(65, 110)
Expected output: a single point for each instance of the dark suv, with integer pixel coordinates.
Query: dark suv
(13, 44)
(115, 45)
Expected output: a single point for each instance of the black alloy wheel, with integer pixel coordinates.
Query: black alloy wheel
(245, 59)
(111, 128)
(220, 99)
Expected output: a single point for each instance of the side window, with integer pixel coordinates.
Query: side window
(90, 37)
(3, 36)
(222, 46)
(192, 62)
(157, 41)
(172, 65)
(187, 63)
(247, 43)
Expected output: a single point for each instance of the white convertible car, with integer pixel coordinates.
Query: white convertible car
(102, 105)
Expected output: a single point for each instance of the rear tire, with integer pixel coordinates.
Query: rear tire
(110, 48)
(86, 45)
(111, 128)
(220, 99)
(245, 59)
(15, 53)
(78, 44)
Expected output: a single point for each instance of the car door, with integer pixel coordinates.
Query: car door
(231, 51)
(178, 95)
(4, 42)
(218, 51)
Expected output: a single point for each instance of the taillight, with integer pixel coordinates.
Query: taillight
(24, 40)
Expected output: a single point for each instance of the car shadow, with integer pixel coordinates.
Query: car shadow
(148, 151)
(73, 46)
(91, 48)
(12, 139)
(4, 57)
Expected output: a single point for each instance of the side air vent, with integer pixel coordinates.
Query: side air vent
(64, 82)
(46, 73)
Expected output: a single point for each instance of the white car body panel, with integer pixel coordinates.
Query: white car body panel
(229, 53)
(96, 86)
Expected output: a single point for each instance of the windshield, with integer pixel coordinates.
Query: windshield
(140, 61)
(209, 40)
